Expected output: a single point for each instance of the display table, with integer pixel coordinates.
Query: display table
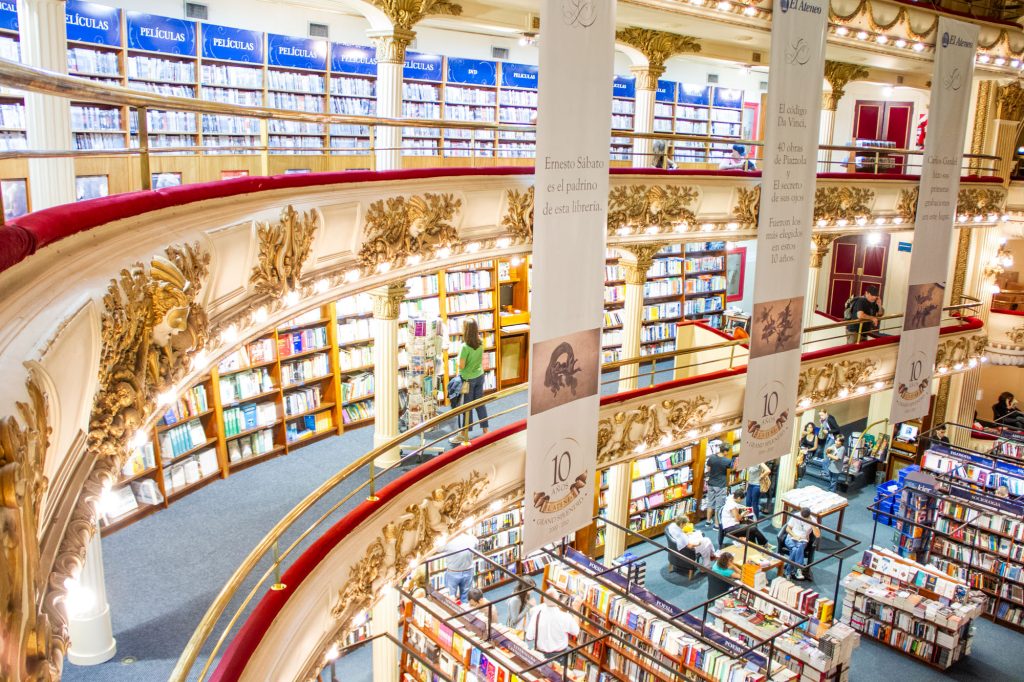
(756, 559)
(822, 504)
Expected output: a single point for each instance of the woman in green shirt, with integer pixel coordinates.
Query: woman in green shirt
(471, 360)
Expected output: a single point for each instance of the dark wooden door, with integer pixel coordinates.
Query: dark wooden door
(856, 265)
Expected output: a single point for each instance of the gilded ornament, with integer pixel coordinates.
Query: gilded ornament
(649, 425)
(842, 203)
(902, 17)
(34, 638)
(640, 206)
(839, 75)
(387, 300)
(284, 247)
(400, 227)
(906, 205)
(404, 14)
(822, 243)
(638, 261)
(823, 383)
(1011, 102)
(978, 201)
(657, 47)
(748, 204)
(518, 218)
(980, 121)
(963, 254)
(391, 47)
(953, 351)
(411, 537)
(1016, 334)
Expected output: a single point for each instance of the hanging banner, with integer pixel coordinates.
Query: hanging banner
(784, 226)
(955, 46)
(570, 225)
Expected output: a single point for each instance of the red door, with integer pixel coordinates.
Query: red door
(856, 265)
(880, 120)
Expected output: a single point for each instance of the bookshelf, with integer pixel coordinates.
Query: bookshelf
(911, 607)
(469, 292)
(517, 103)
(353, 91)
(470, 94)
(249, 398)
(296, 81)
(623, 111)
(310, 383)
(705, 282)
(664, 107)
(705, 110)
(422, 87)
(231, 71)
(726, 120)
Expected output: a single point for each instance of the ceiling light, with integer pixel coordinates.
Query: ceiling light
(882, 40)
(874, 238)
(414, 259)
(1015, 63)
(291, 298)
(473, 247)
(842, 31)
(503, 243)
(623, 231)
(918, 47)
(725, 6)
(897, 220)
(1000, 61)
(321, 285)
(862, 221)
(750, 11)
(862, 35)
(879, 221)
(900, 42)
(984, 58)
(888, 91)
(383, 267)
(443, 252)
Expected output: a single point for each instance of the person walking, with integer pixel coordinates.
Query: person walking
(471, 370)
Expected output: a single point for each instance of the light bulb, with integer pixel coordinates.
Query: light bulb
(351, 276)
(750, 11)
(623, 231)
(882, 40)
(383, 267)
(874, 238)
(260, 316)
(897, 220)
(332, 653)
(842, 31)
(291, 298)
(918, 47)
(443, 252)
(900, 43)
(842, 222)
(414, 260)
(877, 385)
(984, 58)
(166, 398)
(805, 403)
(321, 285)
(503, 243)
(653, 229)
(879, 221)
(861, 222)
(707, 227)
(473, 247)
(733, 226)
(862, 35)
(229, 335)
(999, 61)
(717, 426)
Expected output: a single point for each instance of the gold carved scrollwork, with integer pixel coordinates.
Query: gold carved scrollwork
(906, 205)
(639, 261)
(822, 243)
(518, 218)
(391, 47)
(284, 248)
(1016, 334)
(975, 201)
(647, 426)
(387, 301)
(657, 47)
(823, 383)
(748, 204)
(959, 350)
(842, 203)
(411, 537)
(400, 227)
(902, 17)
(1011, 101)
(839, 75)
(404, 14)
(639, 206)
(30, 650)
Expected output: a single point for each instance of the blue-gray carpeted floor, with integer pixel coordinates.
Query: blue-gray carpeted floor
(163, 572)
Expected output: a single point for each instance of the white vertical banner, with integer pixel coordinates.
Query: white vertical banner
(577, 45)
(784, 226)
(955, 46)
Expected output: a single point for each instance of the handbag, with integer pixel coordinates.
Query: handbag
(465, 387)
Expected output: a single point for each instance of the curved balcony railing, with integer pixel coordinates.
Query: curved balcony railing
(696, 149)
(361, 479)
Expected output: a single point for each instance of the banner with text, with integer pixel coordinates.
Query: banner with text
(956, 43)
(570, 225)
(784, 227)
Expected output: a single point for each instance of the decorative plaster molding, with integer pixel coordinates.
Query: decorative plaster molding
(284, 247)
(639, 206)
(518, 218)
(1011, 101)
(824, 383)
(391, 47)
(842, 203)
(639, 261)
(839, 75)
(401, 227)
(657, 47)
(960, 349)
(979, 201)
(1016, 335)
(387, 301)
(822, 243)
(648, 426)
(748, 205)
(906, 205)
(411, 537)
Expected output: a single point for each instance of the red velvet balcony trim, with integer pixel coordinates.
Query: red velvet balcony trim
(1007, 311)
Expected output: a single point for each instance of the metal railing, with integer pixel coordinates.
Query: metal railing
(704, 149)
(264, 566)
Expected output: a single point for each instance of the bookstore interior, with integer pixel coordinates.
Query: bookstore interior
(870, 550)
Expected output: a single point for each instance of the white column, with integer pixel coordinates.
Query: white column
(387, 302)
(616, 510)
(390, 61)
(826, 132)
(785, 479)
(822, 244)
(635, 262)
(384, 617)
(643, 116)
(92, 637)
(47, 118)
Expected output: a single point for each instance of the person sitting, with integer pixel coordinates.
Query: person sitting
(737, 160)
(683, 534)
(475, 598)
(662, 158)
(721, 573)
(738, 519)
(798, 535)
(1006, 413)
(519, 605)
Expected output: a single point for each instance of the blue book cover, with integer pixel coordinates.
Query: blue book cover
(250, 417)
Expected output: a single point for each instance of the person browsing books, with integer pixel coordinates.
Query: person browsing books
(808, 444)
(550, 627)
(836, 463)
(758, 478)
(718, 467)
(519, 605)
(459, 566)
(798, 535)
(471, 357)
(739, 519)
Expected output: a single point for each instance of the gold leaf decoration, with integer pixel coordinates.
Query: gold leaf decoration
(405, 14)
(822, 243)
(1011, 101)
(648, 425)
(839, 75)
(639, 206)
(842, 203)
(1016, 334)
(657, 47)
(748, 205)
(284, 247)
(518, 218)
(639, 261)
(823, 383)
(960, 350)
(979, 201)
(399, 227)
(906, 205)
(413, 536)
(30, 650)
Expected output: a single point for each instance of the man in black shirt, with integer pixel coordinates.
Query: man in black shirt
(865, 309)
(718, 483)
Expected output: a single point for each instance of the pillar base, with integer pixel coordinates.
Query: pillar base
(92, 639)
(389, 458)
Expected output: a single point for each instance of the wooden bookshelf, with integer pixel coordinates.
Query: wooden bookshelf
(705, 283)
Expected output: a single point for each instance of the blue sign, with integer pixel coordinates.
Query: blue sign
(693, 94)
(88, 22)
(297, 53)
(903, 247)
(726, 97)
(666, 91)
(519, 76)
(359, 59)
(624, 86)
(9, 15)
(472, 71)
(161, 34)
(232, 44)
(420, 66)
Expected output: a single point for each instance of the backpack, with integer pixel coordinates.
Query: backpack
(848, 308)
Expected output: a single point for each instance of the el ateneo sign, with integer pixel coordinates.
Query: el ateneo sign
(784, 229)
(936, 212)
(571, 189)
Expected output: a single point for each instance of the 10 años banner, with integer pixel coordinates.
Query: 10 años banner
(936, 210)
(784, 227)
(571, 190)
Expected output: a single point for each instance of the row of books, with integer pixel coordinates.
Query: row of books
(302, 400)
(353, 87)
(659, 288)
(232, 76)
(357, 412)
(191, 470)
(992, 476)
(245, 384)
(90, 118)
(295, 81)
(180, 439)
(355, 357)
(154, 68)
(231, 125)
(657, 332)
(665, 267)
(141, 459)
(301, 341)
(84, 60)
(662, 311)
(308, 367)
(251, 445)
(294, 102)
(468, 112)
(248, 417)
(659, 481)
(470, 301)
(706, 284)
(357, 387)
(354, 330)
(421, 92)
(465, 280)
(699, 306)
(190, 403)
(701, 247)
(165, 121)
(307, 426)
(484, 321)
